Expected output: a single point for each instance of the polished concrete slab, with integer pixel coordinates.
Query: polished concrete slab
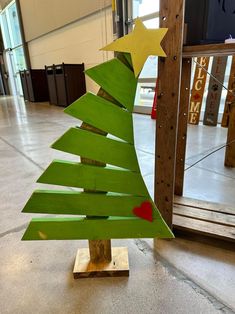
(178, 276)
(208, 180)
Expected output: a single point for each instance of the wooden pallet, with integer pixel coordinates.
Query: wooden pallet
(205, 218)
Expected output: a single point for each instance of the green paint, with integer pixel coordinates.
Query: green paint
(81, 203)
(94, 178)
(128, 58)
(95, 229)
(117, 80)
(125, 58)
(97, 147)
(103, 115)
(108, 112)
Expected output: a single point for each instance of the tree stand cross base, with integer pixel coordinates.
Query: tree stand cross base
(118, 266)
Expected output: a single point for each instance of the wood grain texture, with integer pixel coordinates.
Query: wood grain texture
(215, 91)
(205, 218)
(230, 149)
(121, 86)
(182, 125)
(230, 95)
(169, 74)
(94, 178)
(104, 115)
(95, 228)
(204, 228)
(205, 215)
(209, 206)
(82, 203)
(118, 266)
(100, 251)
(208, 50)
(90, 145)
(198, 88)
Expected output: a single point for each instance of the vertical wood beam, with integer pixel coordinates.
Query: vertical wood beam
(169, 74)
(100, 250)
(230, 97)
(215, 90)
(182, 125)
(230, 149)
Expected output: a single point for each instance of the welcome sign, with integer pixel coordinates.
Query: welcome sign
(198, 89)
(215, 90)
(230, 95)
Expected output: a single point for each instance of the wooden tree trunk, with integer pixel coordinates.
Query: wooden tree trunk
(100, 250)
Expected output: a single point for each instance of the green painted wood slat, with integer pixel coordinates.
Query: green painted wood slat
(81, 203)
(103, 115)
(126, 59)
(118, 86)
(122, 85)
(97, 147)
(95, 229)
(106, 179)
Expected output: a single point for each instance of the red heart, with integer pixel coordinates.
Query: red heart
(145, 211)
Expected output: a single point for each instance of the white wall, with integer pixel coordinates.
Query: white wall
(42, 16)
(4, 3)
(75, 43)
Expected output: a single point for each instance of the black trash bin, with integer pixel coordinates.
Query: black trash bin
(34, 85)
(66, 83)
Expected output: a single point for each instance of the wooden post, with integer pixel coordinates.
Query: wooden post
(169, 74)
(100, 251)
(100, 260)
(230, 97)
(230, 149)
(215, 91)
(182, 125)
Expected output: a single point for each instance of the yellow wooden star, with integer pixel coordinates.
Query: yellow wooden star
(141, 44)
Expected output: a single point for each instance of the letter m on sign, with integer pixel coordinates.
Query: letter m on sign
(194, 112)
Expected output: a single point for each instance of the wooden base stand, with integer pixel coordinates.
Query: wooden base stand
(117, 267)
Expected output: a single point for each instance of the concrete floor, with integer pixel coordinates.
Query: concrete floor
(178, 276)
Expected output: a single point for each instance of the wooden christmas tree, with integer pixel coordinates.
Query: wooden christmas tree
(115, 202)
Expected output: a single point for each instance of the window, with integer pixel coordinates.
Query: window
(14, 52)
